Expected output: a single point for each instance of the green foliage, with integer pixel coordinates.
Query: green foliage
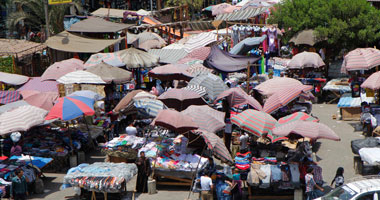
(6, 64)
(33, 14)
(193, 4)
(345, 23)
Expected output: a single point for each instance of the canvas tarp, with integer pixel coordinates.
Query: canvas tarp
(247, 44)
(97, 25)
(68, 42)
(109, 12)
(226, 62)
(19, 48)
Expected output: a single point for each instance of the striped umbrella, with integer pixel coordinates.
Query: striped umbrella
(135, 58)
(196, 88)
(81, 77)
(180, 99)
(9, 96)
(21, 119)
(68, 108)
(175, 121)
(361, 59)
(197, 69)
(199, 40)
(113, 59)
(13, 105)
(144, 95)
(214, 84)
(257, 123)
(171, 72)
(207, 118)
(236, 97)
(273, 85)
(372, 82)
(283, 97)
(199, 53)
(216, 145)
(148, 107)
(307, 129)
(190, 61)
(126, 101)
(295, 117)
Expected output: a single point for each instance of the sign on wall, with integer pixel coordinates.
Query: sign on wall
(55, 2)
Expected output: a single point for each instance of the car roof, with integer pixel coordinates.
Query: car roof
(365, 185)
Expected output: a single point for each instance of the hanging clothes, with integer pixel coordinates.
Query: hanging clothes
(235, 35)
(272, 37)
(265, 43)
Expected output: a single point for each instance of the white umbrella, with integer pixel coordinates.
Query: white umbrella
(81, 77)
(89, 94)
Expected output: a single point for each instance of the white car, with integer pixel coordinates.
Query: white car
(368, 188)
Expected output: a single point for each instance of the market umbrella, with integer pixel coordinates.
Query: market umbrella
(150, 44)
(180, 99)
(175, 121)
(13, 79)
(305, 37)
(149, 36)
(9, 96)
(37, 84)
(196, 88)
(148, 107)
(13, 105)
(236, 97)
(273, 85)
(206, 118)
(144, 95)
(109, 58)
(190, 61)
(27, 93)
(125, 101)
(89, 94)
(372, 82)
(43, 100)
(361, 59)
(171, 72)
(81, 77)
(110, 74)
(68, 108)
(135, 58)
(216, 145)
(306, 60)
(200, 53)
(214, 84)
(295, 117)
(308, 129)
(59, 69)
(220, 8)
(199, 40)
(257, 123)
(197, 69)
(21, 119)
(283, 97)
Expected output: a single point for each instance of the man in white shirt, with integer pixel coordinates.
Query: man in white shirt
(243, 141)
(131, 130)
(206, 187)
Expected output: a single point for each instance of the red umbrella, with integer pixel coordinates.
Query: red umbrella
(361, 59)
(283, 97)
(236, 97)
(308, 129)
(296, 117)
(58, 69)
(273, 85)
(171, 72)
(180, 99)
(206, 118)
(372, 82)
(174, 120)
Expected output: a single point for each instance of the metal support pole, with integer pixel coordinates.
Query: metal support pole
(46, 4)
(151, 6)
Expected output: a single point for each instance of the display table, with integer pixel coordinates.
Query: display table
(39, 162)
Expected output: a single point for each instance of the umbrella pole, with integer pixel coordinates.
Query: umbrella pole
(248, 73)
(196, 170)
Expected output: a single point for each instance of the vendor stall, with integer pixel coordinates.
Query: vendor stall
(100, 177)
(337, 87)
(350, 107)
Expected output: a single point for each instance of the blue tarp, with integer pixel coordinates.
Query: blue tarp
(247, 44)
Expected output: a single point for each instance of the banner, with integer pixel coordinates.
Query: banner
(55, 2)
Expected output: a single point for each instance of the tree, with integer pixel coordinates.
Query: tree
(194, 5)
(344, 23)
(33, 14)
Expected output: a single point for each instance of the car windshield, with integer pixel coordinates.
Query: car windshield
(341, 193)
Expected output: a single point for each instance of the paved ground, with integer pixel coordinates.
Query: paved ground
(332, 155)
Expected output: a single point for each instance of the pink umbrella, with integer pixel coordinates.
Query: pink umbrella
(171, 72)
(27, 93)
(200, 53)
(174, 120)
(219, 9)
(306, 60)
(42, 100)
(36, 83)
(372, 82)
(237, 96)
(58, 69)
(231, 9)
(273, 85)
(308, 129)
(361, 59)
(283, 97)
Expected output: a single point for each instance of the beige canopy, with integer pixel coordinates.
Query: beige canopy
(97, 25)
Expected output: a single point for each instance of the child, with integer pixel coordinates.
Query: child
(339, 179)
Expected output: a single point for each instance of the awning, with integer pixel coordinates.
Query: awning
(201, 25)
(19, 48)
(226, 62)
(97, 25)
(168, 55)
(112, 13)
(242, 14)
(68, 42)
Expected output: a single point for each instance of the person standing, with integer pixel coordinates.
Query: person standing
(19, 188)
(311, 193)
(131, 130)
(143, 173)
(339, 178)
(206, 186)
(244, 142)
